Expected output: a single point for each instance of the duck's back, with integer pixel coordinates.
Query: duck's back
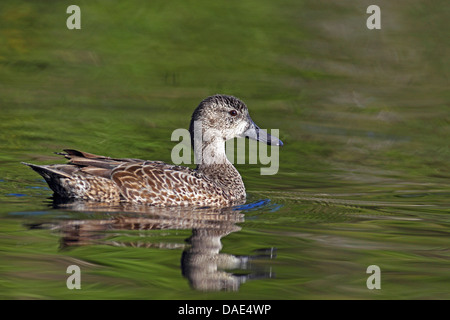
(97, 178)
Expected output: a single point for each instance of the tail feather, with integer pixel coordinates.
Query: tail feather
(50, 170)
(83, 177)
(54, 175)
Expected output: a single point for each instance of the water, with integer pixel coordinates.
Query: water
(363, 177)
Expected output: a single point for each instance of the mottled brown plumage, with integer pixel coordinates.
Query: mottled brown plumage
(215, 181)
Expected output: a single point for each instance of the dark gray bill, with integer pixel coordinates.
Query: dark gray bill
(255, 133)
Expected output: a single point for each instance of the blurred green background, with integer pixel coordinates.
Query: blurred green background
(364, 115)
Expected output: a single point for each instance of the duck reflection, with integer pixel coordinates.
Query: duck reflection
(204, 266)
(201, 261)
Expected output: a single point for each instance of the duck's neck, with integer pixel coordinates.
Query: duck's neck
(211, 152)
(213, 163)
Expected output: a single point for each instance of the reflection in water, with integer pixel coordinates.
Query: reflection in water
(201, 261)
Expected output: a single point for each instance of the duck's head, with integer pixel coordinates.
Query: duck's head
(226, 117)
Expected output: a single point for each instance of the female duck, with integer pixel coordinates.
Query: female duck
(215, 181)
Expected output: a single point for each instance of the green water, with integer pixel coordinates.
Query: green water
(363, 177)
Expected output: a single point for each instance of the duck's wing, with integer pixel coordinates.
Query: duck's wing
(93, 164)
(161, 184)
(86, 159)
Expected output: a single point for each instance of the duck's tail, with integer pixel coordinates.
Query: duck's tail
(54, 175)
(86, 176)
(49, 171)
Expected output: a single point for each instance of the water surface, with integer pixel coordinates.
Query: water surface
(363, 177)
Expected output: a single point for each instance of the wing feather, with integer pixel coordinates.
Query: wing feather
(157, 183)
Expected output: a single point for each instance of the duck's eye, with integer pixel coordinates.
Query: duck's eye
(233, 113)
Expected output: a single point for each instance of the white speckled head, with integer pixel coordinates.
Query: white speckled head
(219, 118)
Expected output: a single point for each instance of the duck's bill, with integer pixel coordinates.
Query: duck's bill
(255, 133)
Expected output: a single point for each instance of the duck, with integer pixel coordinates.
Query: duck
(215, 182)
